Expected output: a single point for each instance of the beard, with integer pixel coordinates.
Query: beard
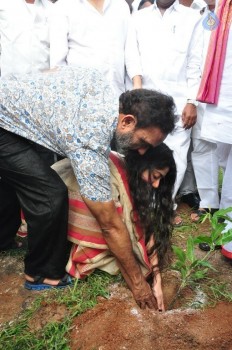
(122, 142)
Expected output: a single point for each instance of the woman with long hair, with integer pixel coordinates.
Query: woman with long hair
(142, 188)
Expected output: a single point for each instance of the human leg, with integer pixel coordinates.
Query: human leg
(9, 216)
(205, 164)
(188, 188)
(43, 197)
(225, 153)
(179, 142)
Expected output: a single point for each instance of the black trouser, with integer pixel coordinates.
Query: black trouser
(43, 197)
(9, 215)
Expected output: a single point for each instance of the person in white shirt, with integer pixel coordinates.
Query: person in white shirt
(217, 121)
(170, 46)
(92, 33)
(204, 155)
(24, 36)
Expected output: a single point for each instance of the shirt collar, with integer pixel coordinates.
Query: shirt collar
(105, 6)
(175, 6)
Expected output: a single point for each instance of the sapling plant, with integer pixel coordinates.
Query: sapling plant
(191, 268)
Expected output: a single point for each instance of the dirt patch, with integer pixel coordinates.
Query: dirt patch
(118, 323)
(47, 313)
(14, 297)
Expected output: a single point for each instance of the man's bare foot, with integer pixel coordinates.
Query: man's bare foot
(46, 280)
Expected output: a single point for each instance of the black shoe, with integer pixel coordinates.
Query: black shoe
(206, 247)
(191, 199)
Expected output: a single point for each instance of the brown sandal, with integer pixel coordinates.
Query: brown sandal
(196, 215)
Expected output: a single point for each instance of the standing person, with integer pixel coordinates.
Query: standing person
(170, 46)
(24, 33)
(216, 91)
(77, 121)
(96, 43)
(204, 154)
(24, 41)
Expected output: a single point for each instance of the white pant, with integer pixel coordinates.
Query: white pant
(205, 165)
(179, 142)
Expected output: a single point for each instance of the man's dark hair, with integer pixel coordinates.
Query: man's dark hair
(150, 107)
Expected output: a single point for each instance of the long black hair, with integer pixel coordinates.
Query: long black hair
(153, 205)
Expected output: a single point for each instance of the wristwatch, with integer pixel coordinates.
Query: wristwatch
(193, 102)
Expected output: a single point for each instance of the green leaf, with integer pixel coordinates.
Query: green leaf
(195, 264)
(206, 264)
(178, 265)
(180, 254)
(183, 272)
(216, 233)
(226, 237)
(190, 249)
(221, 212)
(199, 275)
(202, 239)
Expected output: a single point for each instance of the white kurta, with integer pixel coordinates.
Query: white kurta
(81, 35)
(217, 127)
(204, 154)
(170, 48)
(24, 36)
(217, 123)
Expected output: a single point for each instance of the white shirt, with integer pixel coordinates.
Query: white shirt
(198, 5)
(24, 36)
(170, 49)
(217, 122)
(135, 5)
(81, 35)
(196, 130)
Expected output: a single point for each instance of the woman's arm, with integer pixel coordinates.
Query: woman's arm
(156, 276)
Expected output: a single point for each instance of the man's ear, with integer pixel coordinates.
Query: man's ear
(127, 122)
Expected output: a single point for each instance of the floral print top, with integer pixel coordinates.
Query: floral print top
(71, 111)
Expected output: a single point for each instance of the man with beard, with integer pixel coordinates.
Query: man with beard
(73, 112)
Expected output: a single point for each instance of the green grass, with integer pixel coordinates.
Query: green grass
(55, 335)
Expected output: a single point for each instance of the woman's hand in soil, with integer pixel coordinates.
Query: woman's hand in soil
(157, 291)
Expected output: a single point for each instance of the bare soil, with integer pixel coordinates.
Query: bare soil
(118, 323)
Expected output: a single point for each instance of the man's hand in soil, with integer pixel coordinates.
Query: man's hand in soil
(143, 295)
